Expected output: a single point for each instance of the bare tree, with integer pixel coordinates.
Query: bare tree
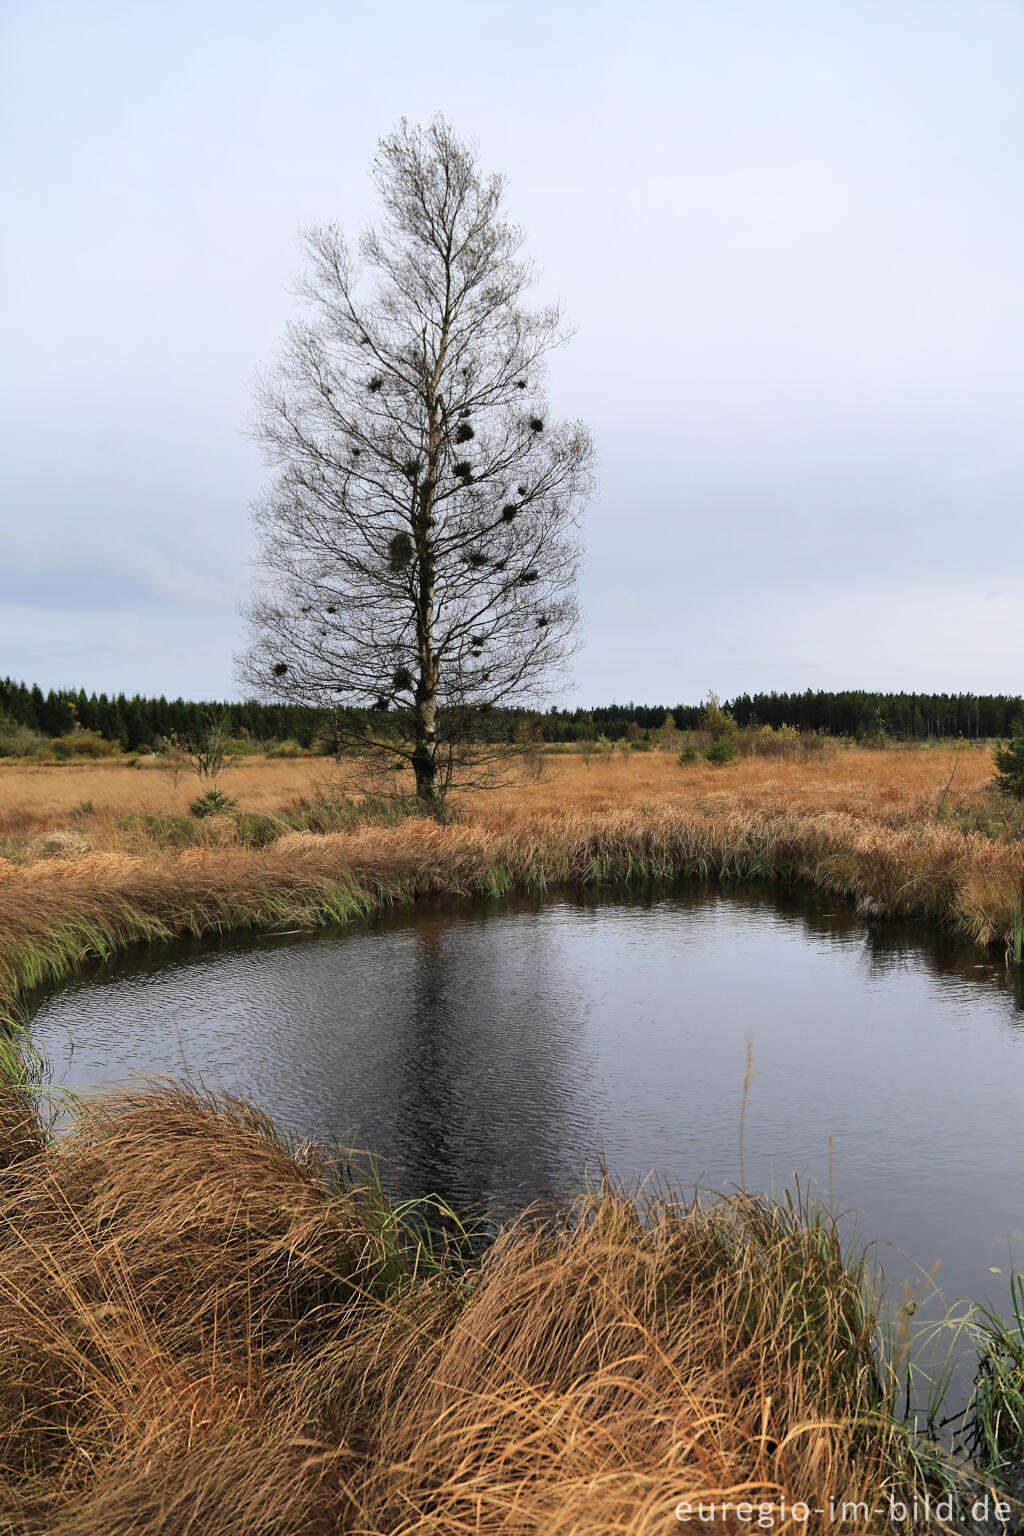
(206, 748)
(173, 759)
(419, 545)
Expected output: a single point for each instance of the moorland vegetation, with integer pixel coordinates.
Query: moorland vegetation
(204, 1327)
(98, 855)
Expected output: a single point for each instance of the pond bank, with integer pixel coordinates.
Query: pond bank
(57, 914)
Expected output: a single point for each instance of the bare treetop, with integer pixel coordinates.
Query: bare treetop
(420, 542)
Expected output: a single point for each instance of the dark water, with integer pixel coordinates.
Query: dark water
(492, 1055)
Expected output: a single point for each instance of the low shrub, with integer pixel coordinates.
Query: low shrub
(784, 742)
(214, 802)
(17, 740)
(1009, 761)
(722, 751)
(718, 722)
(88, 744)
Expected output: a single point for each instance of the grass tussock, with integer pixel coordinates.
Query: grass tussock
(202, 1331)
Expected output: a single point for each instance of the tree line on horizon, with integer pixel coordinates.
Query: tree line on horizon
(137, 723)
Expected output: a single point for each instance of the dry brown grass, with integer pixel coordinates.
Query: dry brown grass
(857, 780)
(41, 797)
(864, 826)
(38, 797)
(201, 1334)
(198, 1335)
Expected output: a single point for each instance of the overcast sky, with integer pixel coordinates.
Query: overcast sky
(789, 234)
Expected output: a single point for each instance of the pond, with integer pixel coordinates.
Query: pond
(492, 1054)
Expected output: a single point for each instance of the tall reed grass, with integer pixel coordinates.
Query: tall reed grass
(206, 1329)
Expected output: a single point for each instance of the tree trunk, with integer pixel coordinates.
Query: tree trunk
(424, 757)
(424, 722)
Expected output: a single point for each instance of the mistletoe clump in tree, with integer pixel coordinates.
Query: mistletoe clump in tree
(420, 543)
